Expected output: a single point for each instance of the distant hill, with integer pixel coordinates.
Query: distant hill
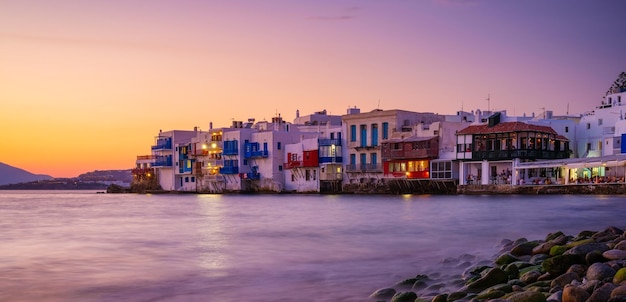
(13, 175)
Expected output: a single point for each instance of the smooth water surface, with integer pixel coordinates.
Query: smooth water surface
(82, 246)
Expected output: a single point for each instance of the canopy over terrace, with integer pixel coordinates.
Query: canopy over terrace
(610, 161)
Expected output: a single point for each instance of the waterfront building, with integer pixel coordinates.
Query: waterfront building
(315, 164)
(488, 152)
(206, 150)
(170, 161)
(601, 130)
(364, 133)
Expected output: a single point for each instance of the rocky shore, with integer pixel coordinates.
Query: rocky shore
(588, 267)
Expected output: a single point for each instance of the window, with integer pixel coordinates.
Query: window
(353, 133)
(280, 167)
(314, 175)
(293, 177)
(374, 134)
(566, 129)
(245, 162)
(278, 145)
(353, 159)
(588, 125)
(363, 135)
(193, 179)
(441, 170)
(307, 174)
(599, 122)
(385, 130)
(186, 179)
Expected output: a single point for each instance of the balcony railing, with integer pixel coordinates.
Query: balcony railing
(230, 151)
(145, 157)
(364, 168)
(163, 144)
(163, 161)
(522, 154)
(256, 153)
(229, 170)
(214, 162)
(197, 153)
(329, 142)
(293, 164)
(331, 159)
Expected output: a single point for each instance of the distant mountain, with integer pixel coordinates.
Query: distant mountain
(13, 175)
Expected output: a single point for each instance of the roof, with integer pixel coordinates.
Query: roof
(506, 127)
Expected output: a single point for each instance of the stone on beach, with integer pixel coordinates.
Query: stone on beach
(590, 267)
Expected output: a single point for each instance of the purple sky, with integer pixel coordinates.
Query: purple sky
(117, 71)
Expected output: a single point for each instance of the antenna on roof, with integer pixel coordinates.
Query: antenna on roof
(378, 104)
(488, 99)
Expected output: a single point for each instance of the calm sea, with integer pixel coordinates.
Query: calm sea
(82, 246)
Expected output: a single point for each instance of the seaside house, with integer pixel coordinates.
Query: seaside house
(489, 152)
(169, 159)
(364, 134)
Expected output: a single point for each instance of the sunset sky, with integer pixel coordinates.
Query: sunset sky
(87, 85)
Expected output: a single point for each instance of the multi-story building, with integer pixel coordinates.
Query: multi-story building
(488, 152)
(302, 170)
(598, 134)
(170, 160)
(364, 133)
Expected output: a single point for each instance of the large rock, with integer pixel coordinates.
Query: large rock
(404, 297)
(525, 248)
(600, 271)
(621, 245)
(614, 254)
(490, 278)
(505, 259)
(530, 277)
(527, 296)
(586, 248)
(564, 279)
(559, 264)
(619, 291)
(572, 293)
(383, 293)
(620, 276)
(602, 294)
(556, 297)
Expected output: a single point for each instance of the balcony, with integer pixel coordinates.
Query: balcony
(293, 164)
(256, 153)
(229, 170)
(198, 153)
(164, 143)
(331, 159)
(145, 157)
(329, 142)
(214, 162)
(522, 154)
(253, 149)
(364, 168)
(231, 151)
(163, 161)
